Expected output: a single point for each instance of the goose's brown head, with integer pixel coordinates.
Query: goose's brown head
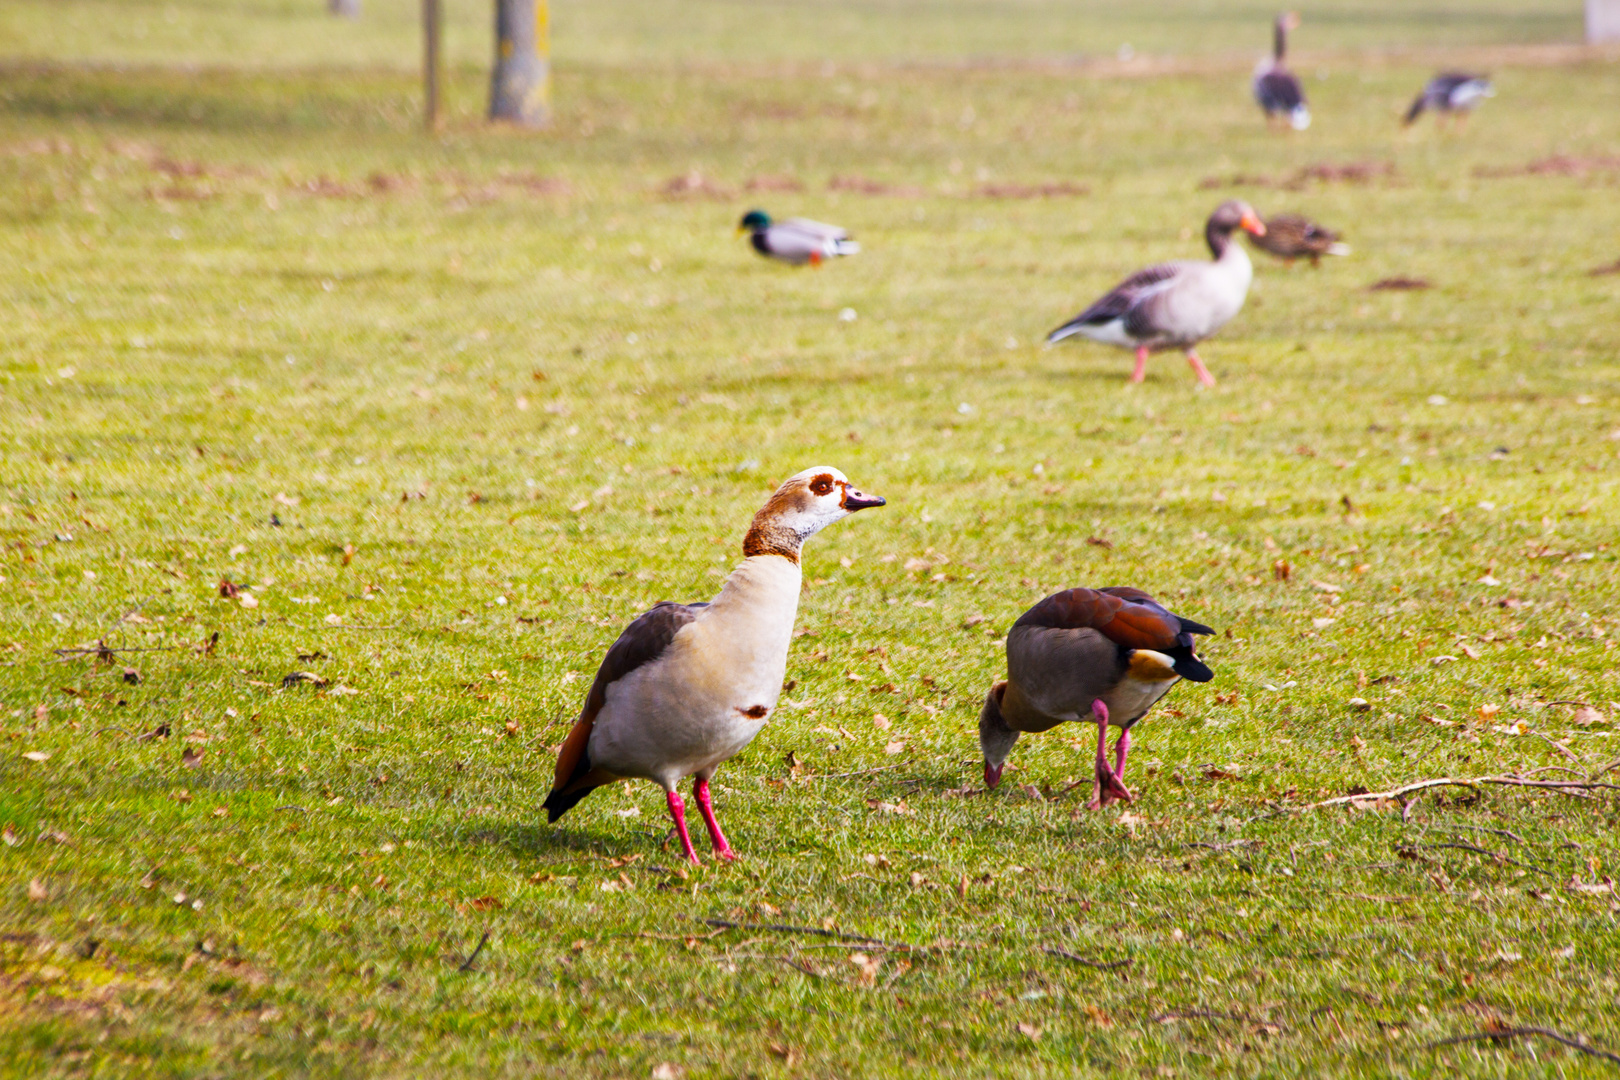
(806, 503)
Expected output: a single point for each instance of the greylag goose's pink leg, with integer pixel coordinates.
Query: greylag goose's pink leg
(677, 810)
(1109, 788)
(706, 808)
(1140, 371)
(1199, 369)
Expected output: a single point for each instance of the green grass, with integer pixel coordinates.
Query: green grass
(251, 297)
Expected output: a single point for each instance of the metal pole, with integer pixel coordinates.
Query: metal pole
(1602, 21)
(520, 85)
(432, 22)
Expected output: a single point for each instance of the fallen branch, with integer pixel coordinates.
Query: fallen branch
(1564, 787)
(799, 965)
(482, 941)
(1100, 965)
(1514, 1033)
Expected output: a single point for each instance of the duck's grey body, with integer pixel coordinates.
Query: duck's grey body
(800, 240)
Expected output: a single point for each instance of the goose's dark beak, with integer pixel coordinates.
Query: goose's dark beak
(853, 500)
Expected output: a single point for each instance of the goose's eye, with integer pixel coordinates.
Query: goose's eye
(822, 485)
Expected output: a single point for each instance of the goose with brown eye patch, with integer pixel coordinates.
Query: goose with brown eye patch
(1088, 655)
(687, 686)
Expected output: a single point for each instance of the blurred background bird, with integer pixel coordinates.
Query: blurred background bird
(1453, 94)
(1277, 89)
(1290, 237)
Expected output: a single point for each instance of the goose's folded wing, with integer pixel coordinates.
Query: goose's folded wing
(1117, 302)
(641, 643)
(1279, 90)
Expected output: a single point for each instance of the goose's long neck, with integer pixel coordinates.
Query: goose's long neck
(765, 587)
(1279, 41)
(1230, 257)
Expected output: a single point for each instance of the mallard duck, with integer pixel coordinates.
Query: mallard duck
(1175, 305)
(1277, 89)
(687, 686)
(1088, 655)
(1290, 237)
(796, 240)
(1452, 93)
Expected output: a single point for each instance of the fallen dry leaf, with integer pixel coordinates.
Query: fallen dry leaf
(868, 967)
(895, 747)
(1098, 1017)
(247, 600)
(880, 722)
(485, 903)
(889, 807)
(191, 757)
(9, 835)
(38, 755)
(1029, 1031)
(1586, 716)
(665, 1070)
(37, 892)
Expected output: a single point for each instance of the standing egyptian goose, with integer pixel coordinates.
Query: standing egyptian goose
(687, 686)
(796, 240)
(1452, 93)
(1277, 89)
(1083, 655)
(1175, 305)
(1290, 237)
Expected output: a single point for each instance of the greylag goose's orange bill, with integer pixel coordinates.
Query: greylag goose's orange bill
(1250, 222)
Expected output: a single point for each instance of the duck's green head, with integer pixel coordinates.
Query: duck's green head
(754, 221)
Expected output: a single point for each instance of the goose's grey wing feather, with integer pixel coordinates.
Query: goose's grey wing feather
(1117, 302)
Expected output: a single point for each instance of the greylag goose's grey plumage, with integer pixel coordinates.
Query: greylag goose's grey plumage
(1452, 93)
(687, 686)
(796, 240)
(1103, 656)
(1278, 90)
(1290, 237)
(1175, 305)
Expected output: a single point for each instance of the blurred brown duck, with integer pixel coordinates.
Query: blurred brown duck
(1290, 237)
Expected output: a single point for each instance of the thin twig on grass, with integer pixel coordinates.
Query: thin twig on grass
(1573, 788)
(482, 941)
(859, 772)
(300, 809)
(101, 648)
(799, 965)
(862, 939)
(1100, 965)
(1201, 1014)
(1566, 751)
(1498, 832)
(1520, 1032)
(1495, 855)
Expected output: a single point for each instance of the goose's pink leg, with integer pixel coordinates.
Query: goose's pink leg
(706, 808)
(1122, 747)
(1109, 787)
(1140, 371)
(1199, 369)
(677, 810)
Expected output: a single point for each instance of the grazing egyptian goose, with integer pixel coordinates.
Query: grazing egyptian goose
(796, 240)
(1290, 237)
(687, 686)
(1084, 655)
(1175, 305)
(1452, 93)
(1277, 89)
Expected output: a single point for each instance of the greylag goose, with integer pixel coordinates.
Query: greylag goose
(1277, 89)
(1452, 93)
(1290, 237)
(687, 686)
(796, 240)
(1088, 655)
(1175, 305)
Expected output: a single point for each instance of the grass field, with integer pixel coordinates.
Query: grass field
(452, 410)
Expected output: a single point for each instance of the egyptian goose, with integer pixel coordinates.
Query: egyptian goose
(687, 686)
(1290, 237)
(1083, 655)
(1452, 93)
(796, 240)
(1277, 89)
(1175, 305)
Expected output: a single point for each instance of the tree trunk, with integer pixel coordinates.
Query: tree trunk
(1602, 21)
(520, 87)
(349, 9)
